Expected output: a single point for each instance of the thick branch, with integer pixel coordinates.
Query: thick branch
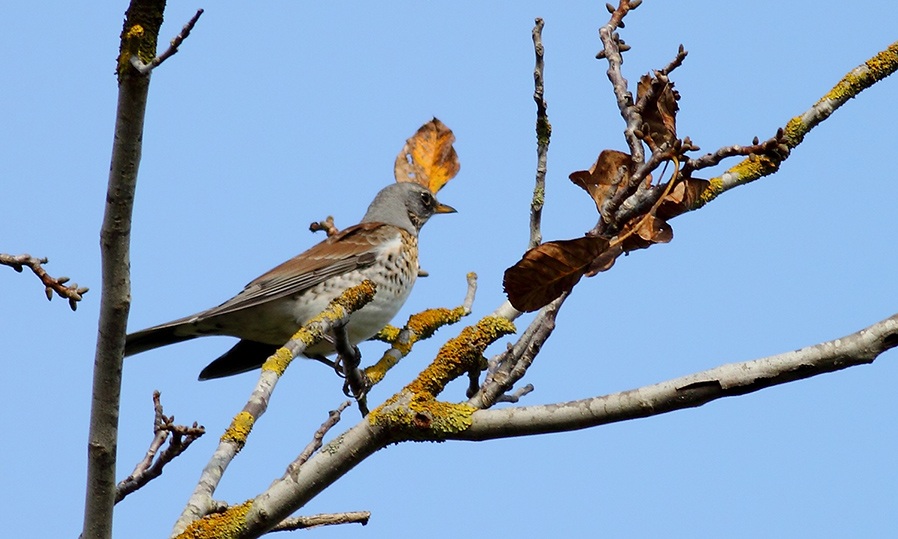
(730, 380)
(141, 28)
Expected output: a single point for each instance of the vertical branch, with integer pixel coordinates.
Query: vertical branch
(141, 28)
(543, 134)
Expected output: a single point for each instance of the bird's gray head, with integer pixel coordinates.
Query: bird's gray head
(406, 205)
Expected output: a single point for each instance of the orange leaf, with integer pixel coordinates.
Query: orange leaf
(550, 269)
(428, 157)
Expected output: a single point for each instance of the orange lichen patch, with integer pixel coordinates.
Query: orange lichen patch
(230, 523)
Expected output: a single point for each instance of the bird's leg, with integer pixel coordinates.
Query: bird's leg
(356, 384)
(332, 364)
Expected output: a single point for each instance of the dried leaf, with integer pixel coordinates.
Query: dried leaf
(660, 112)
(610, 172)
(428, 157)
(550, 269)
(654, 230)
(682, 197)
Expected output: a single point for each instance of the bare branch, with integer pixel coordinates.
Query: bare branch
(543, 136)
(730, 380)
(146, 69)
(313, 521)
(72, 292)
(332, 419)
(613, 46)
(139, 33)
(506, 369)
(859, 79)
(163, 427)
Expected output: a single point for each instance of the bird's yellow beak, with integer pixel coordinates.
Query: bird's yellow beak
(444, 208)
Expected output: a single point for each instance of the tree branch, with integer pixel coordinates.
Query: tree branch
(147, 68)
(313, 521)
(859, 79)
(729, 380)
(138, 38)
(232, 441)
(71, 292)
(148, 469)
(543, 136)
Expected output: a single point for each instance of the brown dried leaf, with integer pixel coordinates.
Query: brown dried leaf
(550, 269)
(610, 172)
(428, 157)
(660, 112)
(682, 197)
(654, 230)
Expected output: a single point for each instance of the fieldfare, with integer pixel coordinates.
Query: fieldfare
(269, 310)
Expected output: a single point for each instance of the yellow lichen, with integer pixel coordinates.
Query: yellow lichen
(134, 32)
(425, 417)
(795, 131)
(239, 429)
(421, 326)
(230, 523)
(278, 362)
(388, 334)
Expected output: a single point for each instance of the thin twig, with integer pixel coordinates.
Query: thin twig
(326, 225)
(774, 145)
(516, 396)
(507, 368)
(151, 467)
(613, 46)
(333, 418)
(543, 136)
(313, 521)
(72, 292)
(172, 49)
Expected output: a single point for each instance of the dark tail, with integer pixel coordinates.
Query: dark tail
(148, 339)
(244, 356)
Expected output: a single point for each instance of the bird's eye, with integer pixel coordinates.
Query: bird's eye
(427, 199)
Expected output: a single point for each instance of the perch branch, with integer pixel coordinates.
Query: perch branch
(234, 438)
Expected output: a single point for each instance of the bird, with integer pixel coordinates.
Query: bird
(383, 247)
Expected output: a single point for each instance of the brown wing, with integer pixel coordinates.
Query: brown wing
(353, 248)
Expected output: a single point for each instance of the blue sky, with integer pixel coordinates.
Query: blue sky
(277, 114)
